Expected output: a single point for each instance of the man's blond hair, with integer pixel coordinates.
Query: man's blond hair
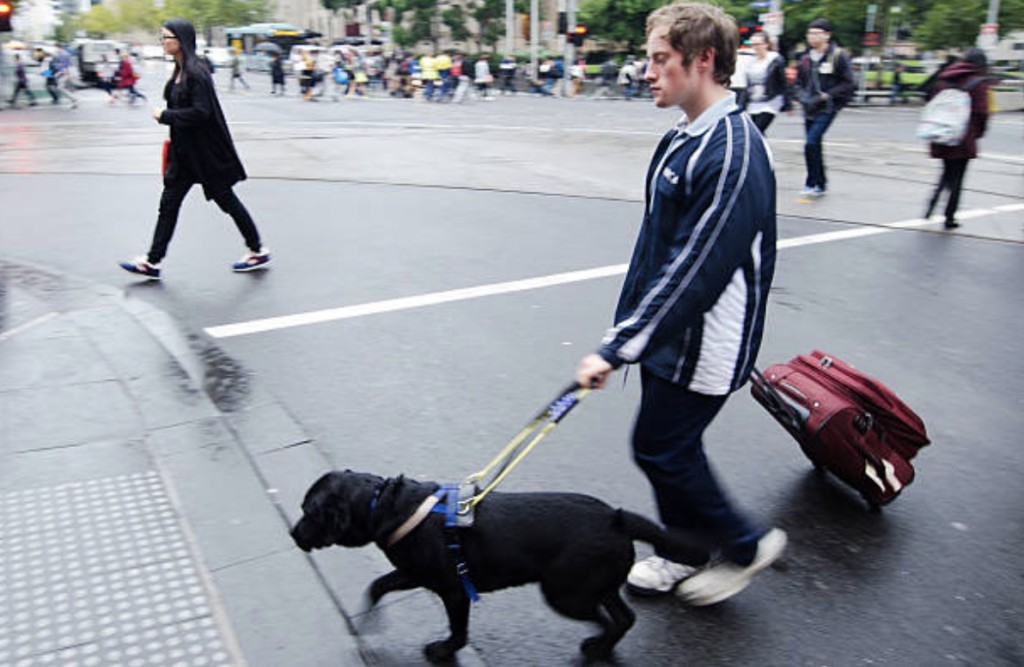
(693, 28)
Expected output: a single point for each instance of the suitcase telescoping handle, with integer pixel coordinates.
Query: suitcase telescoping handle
(792, 416)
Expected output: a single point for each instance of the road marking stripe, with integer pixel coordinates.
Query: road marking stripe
(493, 289)
(406, 303)
(21, 328)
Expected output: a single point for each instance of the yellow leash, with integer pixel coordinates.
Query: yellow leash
(510, 456)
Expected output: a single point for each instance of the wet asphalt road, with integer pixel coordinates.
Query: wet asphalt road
(365, 202)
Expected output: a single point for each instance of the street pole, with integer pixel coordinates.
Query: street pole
(570, 48)
(534, 35)
(3, 73)
(993, 11)
(368, 39)
(510, 32)
(869, 26)
(988, 38)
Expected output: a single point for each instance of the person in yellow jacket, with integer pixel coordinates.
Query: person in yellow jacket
(443, 63)
(428, 75)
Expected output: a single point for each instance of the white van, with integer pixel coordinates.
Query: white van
(91, 53)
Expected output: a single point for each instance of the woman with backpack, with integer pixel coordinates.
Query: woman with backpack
(969, 75)
(200, 151)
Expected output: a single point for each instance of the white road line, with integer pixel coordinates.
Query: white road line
(493, 289)
(406, 303)
(21, 328)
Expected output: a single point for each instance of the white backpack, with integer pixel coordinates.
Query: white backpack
(944, 119)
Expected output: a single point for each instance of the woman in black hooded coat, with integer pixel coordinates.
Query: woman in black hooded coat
(200, 151)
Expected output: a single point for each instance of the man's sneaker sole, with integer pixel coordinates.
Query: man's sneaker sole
(696, 600)
(701, 590)
(643, 591)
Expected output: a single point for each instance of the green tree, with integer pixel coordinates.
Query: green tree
(490, 16)
(625, 21)
(65, 30)
(205, 14)
(99, 22)
(422, 28)
(455, 18)
(137, 14)
(402, 37)
(622, 21)
(955, 23)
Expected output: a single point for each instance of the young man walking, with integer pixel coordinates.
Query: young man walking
(824, 83)
(692, 307)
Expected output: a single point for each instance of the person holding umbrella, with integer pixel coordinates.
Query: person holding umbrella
(200, 151)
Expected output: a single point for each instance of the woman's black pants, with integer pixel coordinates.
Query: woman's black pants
(170, 204)
(953, 170)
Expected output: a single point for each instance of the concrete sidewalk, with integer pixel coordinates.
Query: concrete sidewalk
(139, 468)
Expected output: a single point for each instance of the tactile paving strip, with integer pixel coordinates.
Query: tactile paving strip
(98, 574)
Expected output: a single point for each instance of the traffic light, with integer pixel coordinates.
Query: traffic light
(579, 33)
(6, 10)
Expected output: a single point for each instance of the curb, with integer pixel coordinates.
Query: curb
(226, 452)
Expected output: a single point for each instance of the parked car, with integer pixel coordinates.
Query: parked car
(220, 56)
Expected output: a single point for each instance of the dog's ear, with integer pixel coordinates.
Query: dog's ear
(339, 519)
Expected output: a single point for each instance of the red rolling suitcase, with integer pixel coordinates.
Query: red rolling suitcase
(846, 422)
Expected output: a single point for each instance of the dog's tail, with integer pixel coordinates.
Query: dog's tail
(671, 545)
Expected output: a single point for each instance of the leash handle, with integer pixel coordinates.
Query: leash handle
(553, 411)
(508, 458)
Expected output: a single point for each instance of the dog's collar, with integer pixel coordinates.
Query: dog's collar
(416, 519)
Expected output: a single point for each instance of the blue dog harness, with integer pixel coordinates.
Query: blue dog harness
(448, 504)
(443, 501)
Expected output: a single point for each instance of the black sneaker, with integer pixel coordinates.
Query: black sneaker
(951, 224)
(141, 266)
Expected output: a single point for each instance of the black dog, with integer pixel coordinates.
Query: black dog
(578, 548)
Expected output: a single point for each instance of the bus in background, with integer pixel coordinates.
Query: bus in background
(260, 41)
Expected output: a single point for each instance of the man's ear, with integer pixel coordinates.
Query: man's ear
(705, 60)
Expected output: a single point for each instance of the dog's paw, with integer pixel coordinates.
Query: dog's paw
(439, 652)
(595, 649)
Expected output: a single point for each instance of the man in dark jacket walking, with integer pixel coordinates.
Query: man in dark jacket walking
(692, 306)
(824, 83)
(968, 75)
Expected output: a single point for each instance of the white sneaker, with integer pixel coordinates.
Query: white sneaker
(724, 580)
(656, 575)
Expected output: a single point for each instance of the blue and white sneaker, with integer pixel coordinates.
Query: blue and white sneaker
(818, 191)
(141, 266)
(808, 191)
(251, 261)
